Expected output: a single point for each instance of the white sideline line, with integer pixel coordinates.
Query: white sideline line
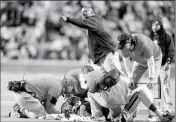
(7, 103)
(7, 94)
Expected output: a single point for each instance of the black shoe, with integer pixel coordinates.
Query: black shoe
(123, 119)
(167, 117)
(18, 109)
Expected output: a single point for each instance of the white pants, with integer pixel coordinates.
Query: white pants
(164, 79)
(141, 94)
(111, 61)
(139, 70)
(27, 101)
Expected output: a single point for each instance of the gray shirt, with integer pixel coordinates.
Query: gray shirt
(144, 49)
(43, 86)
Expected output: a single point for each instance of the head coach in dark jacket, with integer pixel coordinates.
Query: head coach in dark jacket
(100, 43)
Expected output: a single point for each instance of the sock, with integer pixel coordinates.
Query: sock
(156, 110)
(152, 107)
(159, 113)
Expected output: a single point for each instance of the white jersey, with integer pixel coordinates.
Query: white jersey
(117, 94)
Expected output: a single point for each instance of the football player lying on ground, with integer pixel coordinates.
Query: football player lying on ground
(39, 96)
(101, 93)
(78, 77)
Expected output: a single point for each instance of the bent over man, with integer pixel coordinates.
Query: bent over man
(145, 54)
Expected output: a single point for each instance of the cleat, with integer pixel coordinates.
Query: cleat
(167, 117)
(152, 118)
(23, 113)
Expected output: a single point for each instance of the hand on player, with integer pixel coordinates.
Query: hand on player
(166, 66)
(63, 19)
(131, 84)
(150, 84)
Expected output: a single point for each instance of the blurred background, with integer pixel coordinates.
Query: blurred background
(35, 43)
(31, 30)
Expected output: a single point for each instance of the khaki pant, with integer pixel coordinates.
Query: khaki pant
(110, 61)
(27, 101)
(139, 70)
(164, 79)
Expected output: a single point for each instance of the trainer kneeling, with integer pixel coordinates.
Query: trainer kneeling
(39, 96)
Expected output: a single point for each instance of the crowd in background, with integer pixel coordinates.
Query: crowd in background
(31, 30)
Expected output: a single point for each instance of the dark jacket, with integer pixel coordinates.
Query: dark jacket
(166, 43)
(100, 42)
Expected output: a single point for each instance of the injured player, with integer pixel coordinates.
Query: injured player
(111, 91)
(77, 76)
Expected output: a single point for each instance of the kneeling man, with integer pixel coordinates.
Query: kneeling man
(117, 95)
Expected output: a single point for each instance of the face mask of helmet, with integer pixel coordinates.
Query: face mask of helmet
(106, 83)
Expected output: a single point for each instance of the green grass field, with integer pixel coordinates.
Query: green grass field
(32, 69)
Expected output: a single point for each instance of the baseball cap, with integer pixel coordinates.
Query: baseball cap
(122, 38)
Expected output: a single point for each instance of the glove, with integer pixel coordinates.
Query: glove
(63, 19)
(131, 85)
(166, 66)
(115, 74)
(150, 83)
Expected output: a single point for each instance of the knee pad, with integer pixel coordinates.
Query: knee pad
(145, 96)
(133, 103)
